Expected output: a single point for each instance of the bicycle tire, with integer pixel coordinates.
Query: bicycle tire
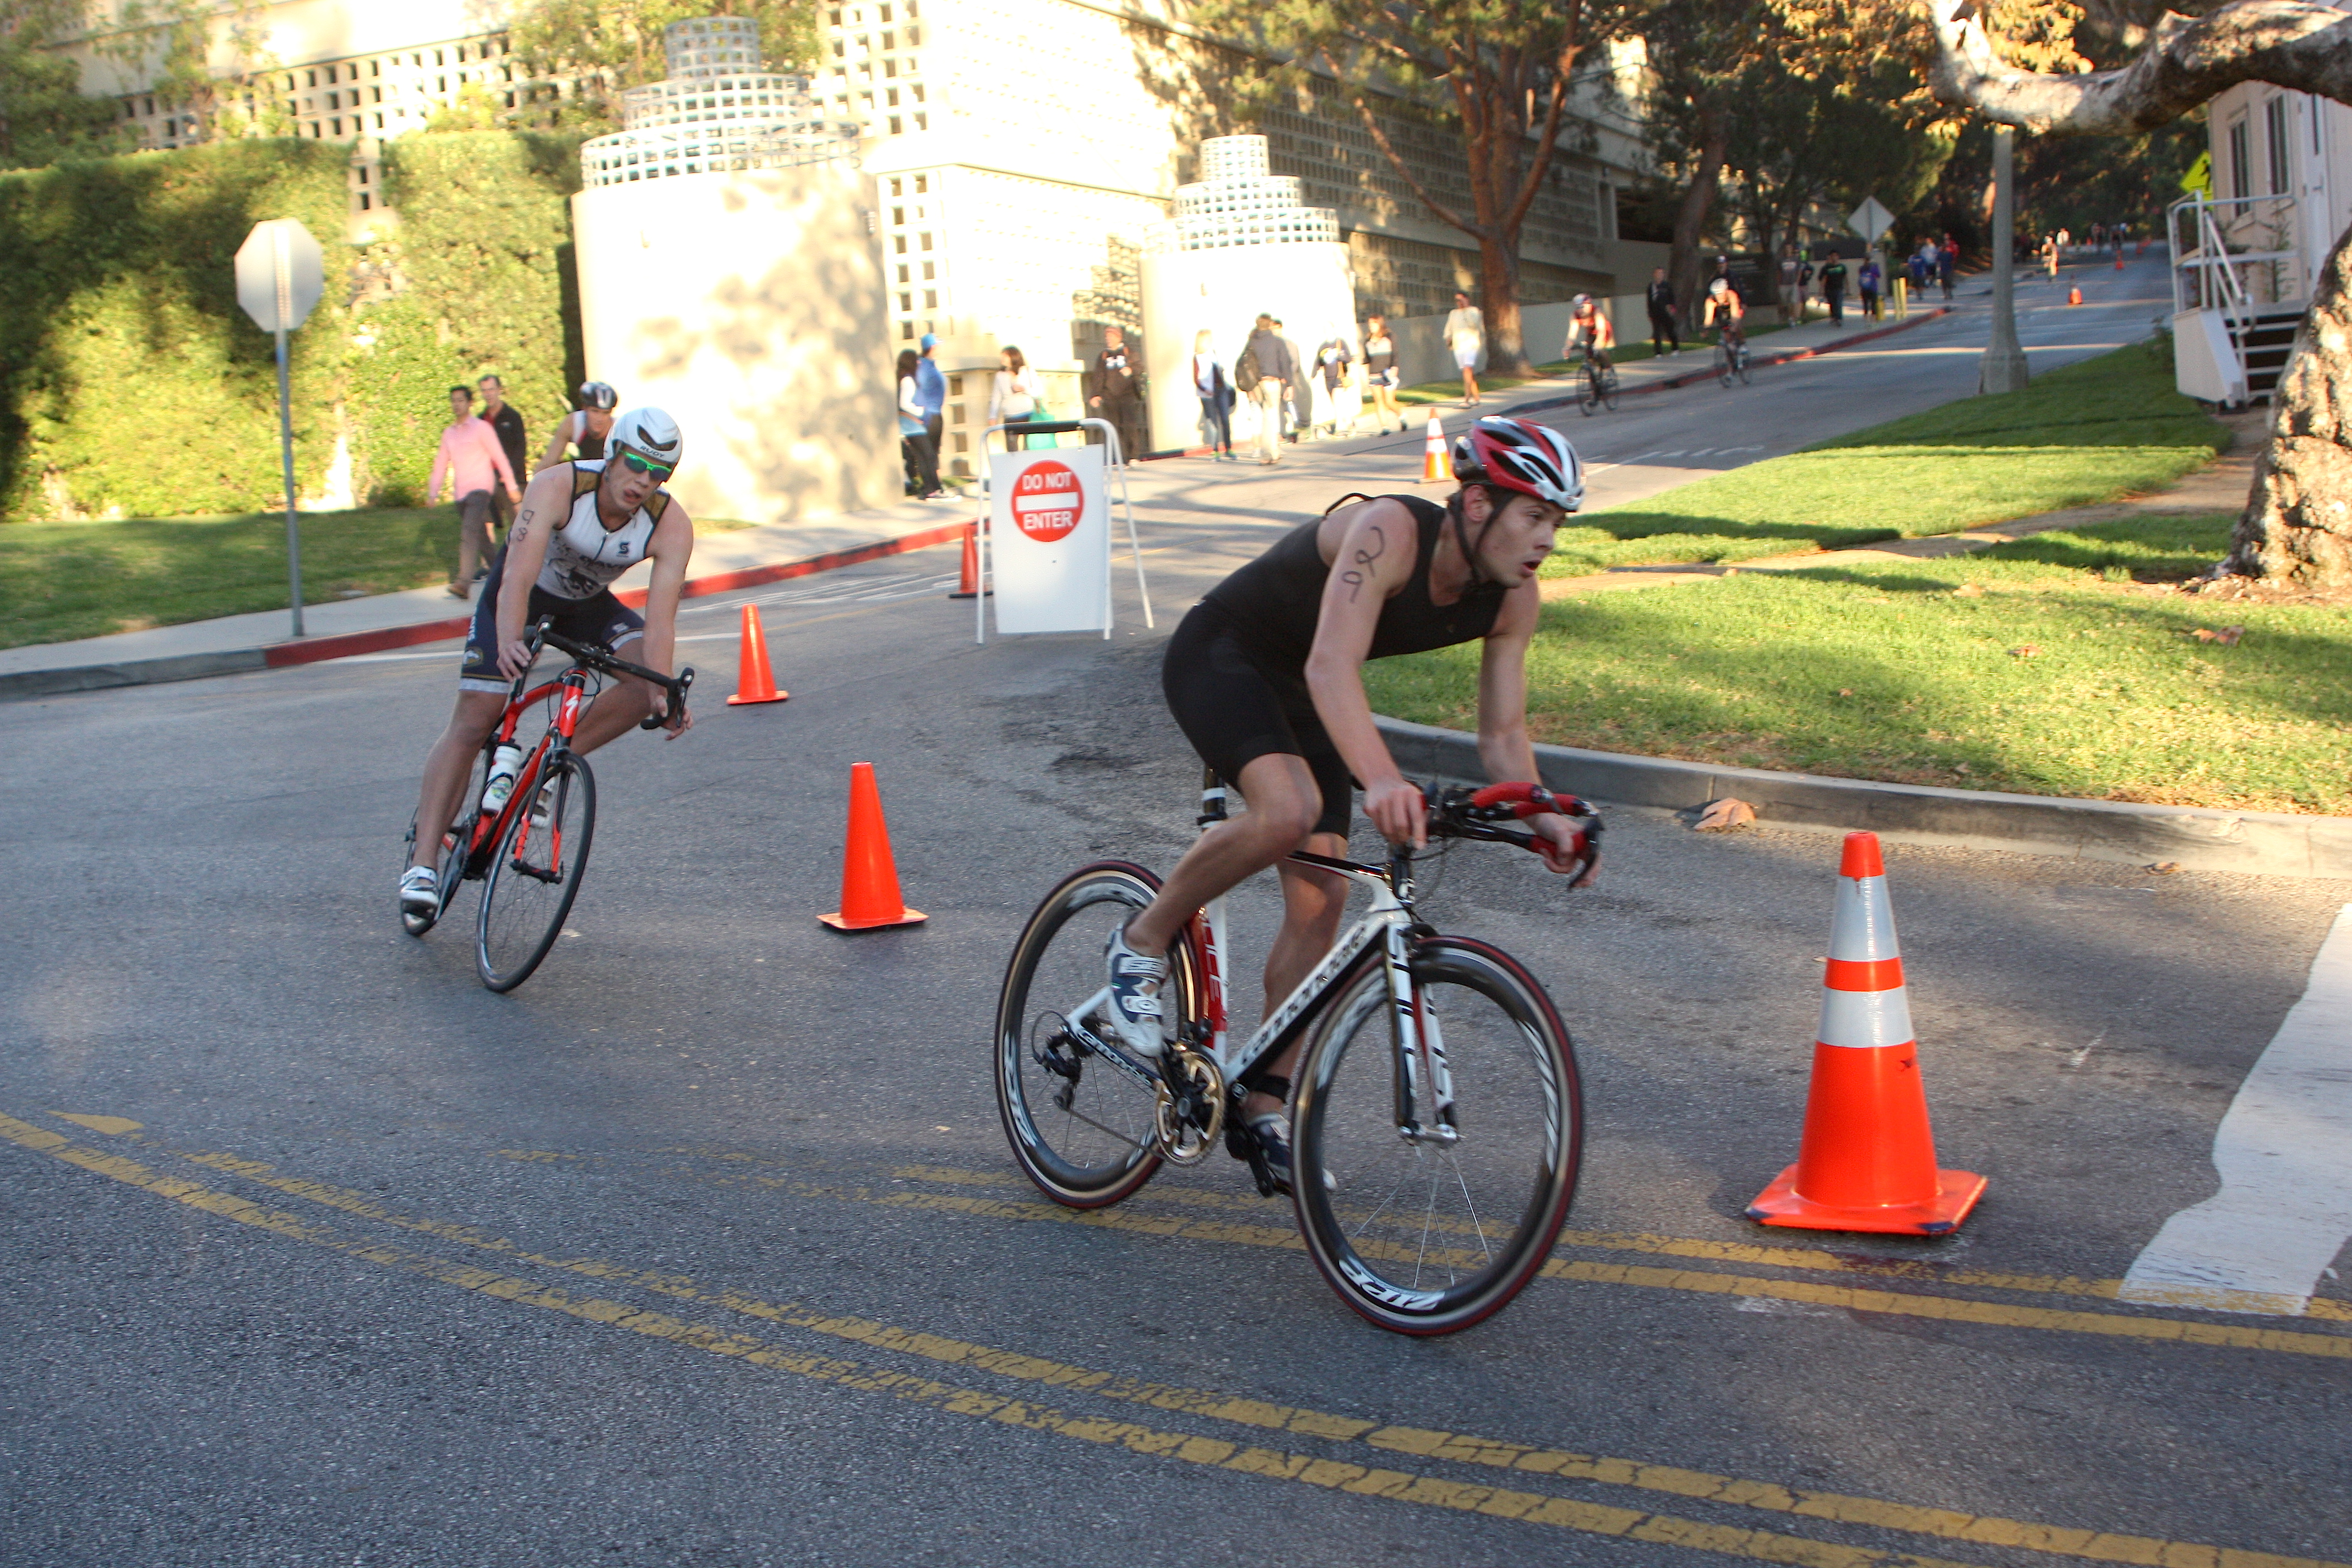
(1048, 1133)
(1588, 397)
(524, 897)
(1723, 366)
(1611, 392)
(449, 866)
(1521, 1129)
(1743, 367)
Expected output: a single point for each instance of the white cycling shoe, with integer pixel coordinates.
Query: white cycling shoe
(420, 891)
(1136, 979)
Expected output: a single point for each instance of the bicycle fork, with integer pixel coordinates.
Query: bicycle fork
(1417, 1041)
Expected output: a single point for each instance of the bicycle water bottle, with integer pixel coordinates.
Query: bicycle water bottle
(505, 763)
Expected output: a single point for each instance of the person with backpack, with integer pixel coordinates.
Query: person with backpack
(1263, 372)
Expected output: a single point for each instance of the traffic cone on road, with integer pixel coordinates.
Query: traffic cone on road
(1868, 1159)
(968, 579)
(2074, 296)
(869, 878)
(1434, 468)
(752, 681)
(2119, 258)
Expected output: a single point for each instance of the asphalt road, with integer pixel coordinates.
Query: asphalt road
(704, 1246)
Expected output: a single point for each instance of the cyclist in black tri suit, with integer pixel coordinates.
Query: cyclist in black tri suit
(1265, 678)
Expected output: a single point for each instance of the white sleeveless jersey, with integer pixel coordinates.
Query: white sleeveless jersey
(583, 556)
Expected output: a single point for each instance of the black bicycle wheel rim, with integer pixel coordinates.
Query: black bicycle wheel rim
(1111, 1120)
(524, 906)
(1387, 1272)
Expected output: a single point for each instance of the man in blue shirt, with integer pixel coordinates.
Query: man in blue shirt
(931, 392)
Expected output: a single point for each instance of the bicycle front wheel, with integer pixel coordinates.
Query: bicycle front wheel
(1723, 366)
(1587, 397)
(1609, 392)
(1418, 1235)
(535, 873)
(1080, 1124)
(1743, 367)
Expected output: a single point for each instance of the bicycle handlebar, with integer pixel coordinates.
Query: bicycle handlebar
(605, 661)
(1458, 813)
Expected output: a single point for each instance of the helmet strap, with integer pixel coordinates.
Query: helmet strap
(1457, 513)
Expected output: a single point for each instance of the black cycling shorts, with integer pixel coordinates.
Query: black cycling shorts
(1234, 712)
(600, 618)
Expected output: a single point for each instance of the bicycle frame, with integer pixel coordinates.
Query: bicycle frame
(574, 686)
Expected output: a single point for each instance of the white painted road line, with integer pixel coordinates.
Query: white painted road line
(2284, 1154)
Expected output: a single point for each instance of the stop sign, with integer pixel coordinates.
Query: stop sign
(1047, 501)
(280, 273)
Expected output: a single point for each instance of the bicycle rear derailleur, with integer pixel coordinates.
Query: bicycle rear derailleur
(1189, 1105)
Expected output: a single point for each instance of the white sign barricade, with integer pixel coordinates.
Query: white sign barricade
(1046, 549)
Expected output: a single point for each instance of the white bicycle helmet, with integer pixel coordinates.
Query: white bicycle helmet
(1720, 286)
(649, 432)
(1523, 456)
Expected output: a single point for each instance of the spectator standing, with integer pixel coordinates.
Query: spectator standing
(1114, 392)
(1465, 334)
(914, 440)
(1661, 299)
(1264, 369)
(1216, 396)
(1948, 263)
(1381, 373)
(584, 430)
(470, 458)
(1332, 359)
(505, 421)
(1833, 288)
(1016, 396)
(931, 392)
(1872, 279)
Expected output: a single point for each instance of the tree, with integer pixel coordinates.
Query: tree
(613, 44)
(2297, 524)
(1505, 68)
(1699, 51)
(44, 116)
(176, 47)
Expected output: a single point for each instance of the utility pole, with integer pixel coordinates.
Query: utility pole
(2004, 369)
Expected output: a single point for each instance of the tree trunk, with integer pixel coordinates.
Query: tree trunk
(1498, 282)
(1698, 203)
(2297, 525)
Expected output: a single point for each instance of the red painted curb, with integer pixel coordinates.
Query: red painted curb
(314, 650)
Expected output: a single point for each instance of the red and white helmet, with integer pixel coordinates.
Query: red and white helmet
(1520, 454)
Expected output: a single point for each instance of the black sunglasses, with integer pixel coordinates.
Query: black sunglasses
(638, 465)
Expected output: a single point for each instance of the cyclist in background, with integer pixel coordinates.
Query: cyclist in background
(581, 525)
(1587, 323)
(586, 429)
(1265, 676)
(1724, 300)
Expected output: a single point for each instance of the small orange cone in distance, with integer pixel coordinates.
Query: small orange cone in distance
(869, 878)
(752, 681)
(2074, 296)
(1868, 1159)
(1434, 467)
(2119, 258)
(968, 579)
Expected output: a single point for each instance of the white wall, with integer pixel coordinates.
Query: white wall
(751, 306)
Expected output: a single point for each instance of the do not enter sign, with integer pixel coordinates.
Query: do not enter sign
(1047, 501)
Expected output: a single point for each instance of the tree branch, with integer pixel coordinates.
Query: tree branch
(2300, 44)
(1381, 140)
(1547, 140)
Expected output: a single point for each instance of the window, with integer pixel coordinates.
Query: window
(895, 128)
(364, 201)
(363, 173)
(2274, 135)
(899, 241)
(331, 76)
(376, 67)
(898, 216)
(930, 298)
(896, 189)
(922, 183)
(891, 98)
(2242, 178)
(917, 91)
(379, 122)
(902, 272)
(310, 78)
(955, 389)
(930, 270)
(334, 101)
(905, 302)
(922, 122)
(926, 241)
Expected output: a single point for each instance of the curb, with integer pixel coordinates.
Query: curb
(1786, 356)
(2195, 839)
(314, 650)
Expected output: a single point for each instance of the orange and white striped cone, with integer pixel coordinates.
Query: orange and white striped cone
(1868, 1159)
(1434, 467)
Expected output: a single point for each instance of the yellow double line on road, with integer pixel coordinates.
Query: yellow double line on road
(1309, 1470)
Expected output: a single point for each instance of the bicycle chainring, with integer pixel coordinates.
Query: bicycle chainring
(1188, 1111)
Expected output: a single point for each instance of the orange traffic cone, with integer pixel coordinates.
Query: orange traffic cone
(869, 878)
(752, 681)
(1868, 1159)
(968, 579)
(2119, 258)
(2074, 296)
(1434, 468)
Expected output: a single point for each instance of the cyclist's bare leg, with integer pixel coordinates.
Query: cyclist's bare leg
(1283, 803)
(448, 766)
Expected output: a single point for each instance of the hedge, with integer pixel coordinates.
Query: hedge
(131, 384)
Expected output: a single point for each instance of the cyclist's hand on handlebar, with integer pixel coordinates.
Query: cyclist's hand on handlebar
(1563, 848)
(515, 656)
(672, 716)
(1399, 810)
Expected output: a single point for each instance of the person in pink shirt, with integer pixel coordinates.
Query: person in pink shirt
(472, 459)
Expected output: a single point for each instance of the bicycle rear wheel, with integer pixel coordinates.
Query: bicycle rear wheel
(1587, 396)
(449, 865)
(1080, 1125)
(1418, 1236)
(535, 873)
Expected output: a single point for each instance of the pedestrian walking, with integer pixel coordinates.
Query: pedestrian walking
(1833, 288)
(1947, 264)
(1465, 334)
(505, 421)
(1871, 278)
(1114, 391)
(1333, 360)
(1297, 397)
(915, 450)
(1381, 373)
(1919, 268)
(471, 460)
(1266, 368)
(1216, 396)
(1661, 302)
(583, 430)
(1016, 396)
(931, 392)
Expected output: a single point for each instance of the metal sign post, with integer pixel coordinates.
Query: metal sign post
(280, 273)
(1118, 469)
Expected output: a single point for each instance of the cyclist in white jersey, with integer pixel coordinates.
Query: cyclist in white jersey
(581, 525)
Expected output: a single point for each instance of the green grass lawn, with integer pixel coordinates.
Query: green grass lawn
(60, 581)
(2089, 432)
(1913, 672)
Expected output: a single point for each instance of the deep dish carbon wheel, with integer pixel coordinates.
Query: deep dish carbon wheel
(535, 873)
(1423, 1237)
(1080, 1126)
